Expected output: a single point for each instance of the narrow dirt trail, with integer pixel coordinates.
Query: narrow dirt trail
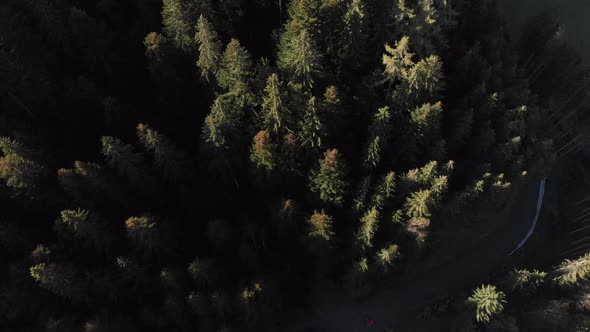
(397, 304)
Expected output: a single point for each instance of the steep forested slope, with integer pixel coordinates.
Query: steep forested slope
(197, 164)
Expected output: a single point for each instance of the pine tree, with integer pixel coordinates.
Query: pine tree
(262, 151)
(487, 301)
(301, 59)
(320, 226)
(312, 131)
(328, 179)
(274, 113)
(368, 228)
(209, 47)
(236, 69)
(17, 167)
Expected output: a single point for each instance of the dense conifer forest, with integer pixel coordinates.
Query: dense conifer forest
(218, 165)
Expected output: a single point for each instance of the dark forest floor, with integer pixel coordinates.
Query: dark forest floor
(397, 307)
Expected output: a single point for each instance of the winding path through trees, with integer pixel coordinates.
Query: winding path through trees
(397, 304)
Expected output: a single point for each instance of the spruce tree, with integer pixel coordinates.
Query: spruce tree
(209, 48)
(355, 34)
(419, 203)
(379, 131)
(320, 226)
(388, 255)
(144, 232)
(328, 179)
(426, 78)
(572, 272)
(427, 122)
(487, 301)
(528, 281)
(171, 160)
(203, 272)
(84, 226)
(274, 113)
(17, 166)
(301, 59)
(59, 279)
(262, 151)
(385, 190)
(374, 152)
(312, 131)
(179, 18)
(222, 123)
(303, 15)
(368, 227)
(398, 60)
(235, 70)
(176, 23)
(121, 156)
